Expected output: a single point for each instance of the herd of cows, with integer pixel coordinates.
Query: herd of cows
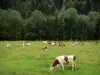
(59, 60)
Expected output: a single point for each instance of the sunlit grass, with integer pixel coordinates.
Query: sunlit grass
(31, 60)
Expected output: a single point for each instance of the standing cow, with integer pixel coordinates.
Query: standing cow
(75, 44)
(8, 45)
(60, 60)
(44, 48)
(22, 44)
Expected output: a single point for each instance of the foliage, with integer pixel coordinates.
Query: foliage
(11, 24)
(49, 19)
(36, 25)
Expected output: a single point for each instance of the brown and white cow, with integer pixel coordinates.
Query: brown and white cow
(62, 44)
(44, 48)
(60, 60)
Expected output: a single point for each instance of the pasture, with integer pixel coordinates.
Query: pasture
(32, 60)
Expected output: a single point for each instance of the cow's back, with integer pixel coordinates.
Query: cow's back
(61, 59)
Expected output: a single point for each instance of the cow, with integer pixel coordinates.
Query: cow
(62, 44)
(75, 44)
(61, 60)
(22, 44)
(49, 43)
(53, 43)
(27, 44)
(8, 45)
(44, 42)
(44, 48)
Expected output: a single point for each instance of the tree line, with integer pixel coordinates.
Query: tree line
(49, 20)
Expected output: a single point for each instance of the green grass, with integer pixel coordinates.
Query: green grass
(32, 60)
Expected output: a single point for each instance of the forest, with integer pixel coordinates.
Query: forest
(49, 20)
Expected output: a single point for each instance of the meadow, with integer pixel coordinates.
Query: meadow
(32, 60)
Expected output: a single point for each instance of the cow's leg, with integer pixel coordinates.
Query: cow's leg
(59, 66)
(73, 65)
(62, 65)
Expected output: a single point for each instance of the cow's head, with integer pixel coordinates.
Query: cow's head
(54, 67)
(55, 64)
(51, 67)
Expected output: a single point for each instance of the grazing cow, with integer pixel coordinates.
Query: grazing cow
(49, 43)
(60, 60)
(53, 43)
(44, 42)
(62, 44)
(8, 45)
(44, 48)
(22, 44)
(27, 44)
(75, 44)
